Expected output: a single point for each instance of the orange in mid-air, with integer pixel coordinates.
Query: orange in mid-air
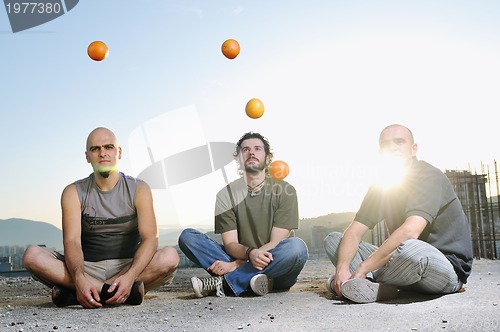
(230, 48)
(97, 50)
(254, 108)
(279, 170)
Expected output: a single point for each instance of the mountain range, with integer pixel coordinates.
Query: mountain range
(22, 232)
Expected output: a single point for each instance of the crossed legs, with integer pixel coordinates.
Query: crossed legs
(416, 265)
(49, 268)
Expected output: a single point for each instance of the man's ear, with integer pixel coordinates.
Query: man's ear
(119, 152)
(414, 149)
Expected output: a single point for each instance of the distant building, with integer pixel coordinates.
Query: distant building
(471, 189)
(5, 264)
(11, 258)
(318, 234)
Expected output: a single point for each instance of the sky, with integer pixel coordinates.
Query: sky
(331, 74)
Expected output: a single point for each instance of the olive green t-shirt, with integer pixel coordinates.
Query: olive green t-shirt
(275, 205)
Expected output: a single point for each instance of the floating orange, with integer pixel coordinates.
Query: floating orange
(230, 48)
(254, 108)
(279, 170)
(97, 50)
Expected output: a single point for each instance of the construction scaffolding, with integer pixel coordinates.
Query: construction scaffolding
(481, 206)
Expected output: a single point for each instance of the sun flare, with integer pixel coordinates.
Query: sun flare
(390, 171)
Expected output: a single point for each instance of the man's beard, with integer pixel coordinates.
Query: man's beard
(105, 171)
(104, 174)
(255, 169)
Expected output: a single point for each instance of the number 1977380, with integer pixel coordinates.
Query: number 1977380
(33, 8)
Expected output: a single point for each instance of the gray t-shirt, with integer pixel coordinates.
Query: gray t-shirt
(275, 205)
(109, 219)
(428, 193)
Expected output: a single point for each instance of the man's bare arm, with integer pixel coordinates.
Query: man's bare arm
(87, 291)
(410, 229)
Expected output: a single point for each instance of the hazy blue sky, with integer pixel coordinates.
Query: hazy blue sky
(331, 74)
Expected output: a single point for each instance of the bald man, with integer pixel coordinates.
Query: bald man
(428, 247)
(110, 237)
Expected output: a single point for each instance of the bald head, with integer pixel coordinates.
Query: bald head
(103, 151)
(397, 127)
(100, 134)
(397, 141)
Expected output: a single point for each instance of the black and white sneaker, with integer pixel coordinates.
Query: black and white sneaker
(207, 286)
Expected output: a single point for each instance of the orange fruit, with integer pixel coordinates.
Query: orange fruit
(254, 108)
(279, 170)
(97, 50)
(230, 48)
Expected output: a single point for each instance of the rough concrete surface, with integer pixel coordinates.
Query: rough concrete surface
(25, 305)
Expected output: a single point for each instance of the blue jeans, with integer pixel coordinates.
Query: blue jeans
(289, 257)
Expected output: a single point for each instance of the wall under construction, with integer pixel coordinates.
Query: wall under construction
(480, 200)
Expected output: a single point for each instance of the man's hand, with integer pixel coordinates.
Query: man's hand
(340, 277)
(220, 267)
(260, 259)
(86, 293)
(123, 285)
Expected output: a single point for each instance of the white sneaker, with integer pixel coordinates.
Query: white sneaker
(261, 284)
(364, 291)
(207, 286)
